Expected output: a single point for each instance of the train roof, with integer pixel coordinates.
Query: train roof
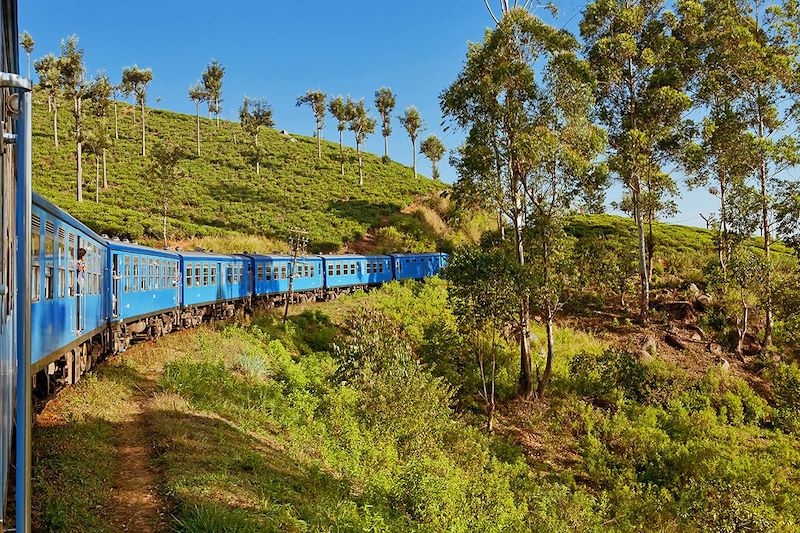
(38, 200)
(207, 255)
(139, 248)
(282, 256)
(421, 254)
(355, 256)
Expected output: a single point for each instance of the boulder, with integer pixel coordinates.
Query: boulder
(644, 357)
(674, 341)
(714, 349)
(724, 365)
(693, 291)
(695, 333)
(681, 311)
(650, 345)
(703, 302)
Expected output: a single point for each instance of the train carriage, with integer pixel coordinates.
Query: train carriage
(273, 272)
(417, 266)
(345, 271)
(214, 281)
(69, 298)
(145, 289)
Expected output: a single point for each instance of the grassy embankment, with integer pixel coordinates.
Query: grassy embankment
(373, 424)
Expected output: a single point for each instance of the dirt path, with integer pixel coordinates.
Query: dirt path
(136, 505)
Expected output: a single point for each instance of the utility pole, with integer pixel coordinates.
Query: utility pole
(298, 240)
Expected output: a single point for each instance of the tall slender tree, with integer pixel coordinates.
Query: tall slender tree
(343, 111)
(100, 91)
(27, 43)
(165, 169)
(384, 103)
(433, 149)
(198, 95)
(362, 125)
(316, 101)
(49, 72)
(640, 95)
(412, 122)
(73, 81)
(212, 82)
(135, 81)
(254, 115)
(495, 99)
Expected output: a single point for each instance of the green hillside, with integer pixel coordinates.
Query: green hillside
(220, 194)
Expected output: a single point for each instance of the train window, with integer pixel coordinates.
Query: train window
(189, 275)
(352, 268)
(158, 272)
(241, 273)
(268, 271)
(48, 283)
(62, 263)
(369, 267)
(229, 274)
(135, 274)
(205, 274)
(197, 275)
(338, 269)
(145, 274)
(380, 266)
(305, 268)
(163, 273)
(71, 262)
(213, 275)
(260, 272)
(36, 244)
(126, 273)
(283, 271)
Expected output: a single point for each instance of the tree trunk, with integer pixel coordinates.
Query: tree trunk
(651, 246)
(414, 155)
(386, 147)
(55, 124)
(258, 156)
(319, 144)
(724, 249)
(105, 175)
(341, 150)
(79, 147)
(96, 179)
(548, 367)
(49, 103)
(144, 151)
(644, 292)
(29, 66)
(763, 179)
(116, 122)
(164, 226)
(198, 128)
(360, 166)
(526, 374)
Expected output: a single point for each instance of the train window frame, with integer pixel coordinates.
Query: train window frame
(206, 273)
(260, 272)
(213, 275)
(188, 275)
(338, 268)
(144, 271)
(330, 268)
(35, 251)
(313, 271)
(62, 262)
(306, 269)
(126, 273)
(71, 262)
(197, 270)
(268, 271)
(241, 273)
(283, 271)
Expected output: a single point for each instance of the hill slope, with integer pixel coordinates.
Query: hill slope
(220, 193)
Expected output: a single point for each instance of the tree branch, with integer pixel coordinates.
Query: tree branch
(491, 12)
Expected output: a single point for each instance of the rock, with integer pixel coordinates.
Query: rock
(714, 349)
(650, 345)
(696, 333)
(703, 302)
(284, 133)
(682, 311)
(724, 365)
(674, 341)
(693, 291)
(644, 357)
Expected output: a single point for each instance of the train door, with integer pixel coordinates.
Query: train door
(115, 277)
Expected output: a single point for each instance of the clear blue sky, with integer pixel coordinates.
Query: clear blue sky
(279, 49)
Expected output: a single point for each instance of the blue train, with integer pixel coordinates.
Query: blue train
(92, 296)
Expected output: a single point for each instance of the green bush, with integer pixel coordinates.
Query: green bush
(786, 389)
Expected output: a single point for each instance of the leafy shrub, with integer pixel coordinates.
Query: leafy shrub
(786, 389)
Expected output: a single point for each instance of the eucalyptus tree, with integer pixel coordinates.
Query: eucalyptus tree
(496, 100)
(73, 81)
(253, 115)
(49, 73)
(166, 173)
(316, 101)
(115, 90)
(100, 92)
(384, 103)
(198, 95)
(27, 43)
(362, 125)
(482, 292)
(212, 82)
(135, 81)
(343, 111)
(434, 150)
(412, 122)
(633, 55)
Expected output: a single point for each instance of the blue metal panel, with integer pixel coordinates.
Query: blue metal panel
(67, 305)
(349, 270)
(209, 278)
(145, 281)
(272, 274)
(417, 266)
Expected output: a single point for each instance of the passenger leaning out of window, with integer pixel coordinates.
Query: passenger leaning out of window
(80, 266)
